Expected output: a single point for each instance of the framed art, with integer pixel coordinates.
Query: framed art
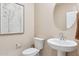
(11, 18)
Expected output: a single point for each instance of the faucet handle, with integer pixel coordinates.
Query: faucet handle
(61, 36)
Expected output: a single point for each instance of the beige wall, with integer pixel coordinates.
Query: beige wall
(8, 42)
(45, 26)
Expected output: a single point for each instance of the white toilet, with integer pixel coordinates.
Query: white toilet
(39, 44)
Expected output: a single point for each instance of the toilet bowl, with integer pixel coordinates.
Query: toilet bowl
(31, 52)
(39, 43)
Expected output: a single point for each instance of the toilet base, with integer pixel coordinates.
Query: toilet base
(37, 54)
(33, 55)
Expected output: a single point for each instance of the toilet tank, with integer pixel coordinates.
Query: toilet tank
(39, 43)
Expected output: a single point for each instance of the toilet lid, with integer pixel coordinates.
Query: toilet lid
(30, 51)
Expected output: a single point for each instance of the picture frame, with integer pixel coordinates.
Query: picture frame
(11, 18)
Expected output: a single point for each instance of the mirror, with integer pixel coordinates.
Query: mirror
(65, 15)
(11, 18)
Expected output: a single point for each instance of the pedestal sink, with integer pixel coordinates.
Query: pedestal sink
(62, 46)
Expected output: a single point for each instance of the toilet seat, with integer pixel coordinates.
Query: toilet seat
(30, 52)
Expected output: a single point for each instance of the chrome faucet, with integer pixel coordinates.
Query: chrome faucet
(61, 36)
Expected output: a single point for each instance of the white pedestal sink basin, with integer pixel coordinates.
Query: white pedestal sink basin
(62, 46)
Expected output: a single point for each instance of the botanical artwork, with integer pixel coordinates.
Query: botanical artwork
(11, 18)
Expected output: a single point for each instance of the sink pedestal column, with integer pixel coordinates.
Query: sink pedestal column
(61, 53)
